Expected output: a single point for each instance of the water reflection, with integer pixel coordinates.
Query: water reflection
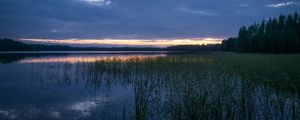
(87, 58)
(138, 87)
(66, 87)
(71, 58)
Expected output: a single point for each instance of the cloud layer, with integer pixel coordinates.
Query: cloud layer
(278, 5)
(133, 19)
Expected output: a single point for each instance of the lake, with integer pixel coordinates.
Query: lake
(148, 85)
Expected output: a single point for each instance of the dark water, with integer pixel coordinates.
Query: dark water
(56, 86)
(148, 86)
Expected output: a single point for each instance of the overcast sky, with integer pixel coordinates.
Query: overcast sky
(134, 19)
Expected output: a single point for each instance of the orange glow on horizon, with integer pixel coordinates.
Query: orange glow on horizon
(128, 42)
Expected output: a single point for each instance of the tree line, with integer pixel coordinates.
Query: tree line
(7, 44)
(204, 47)
(275, 35)
(13, 45)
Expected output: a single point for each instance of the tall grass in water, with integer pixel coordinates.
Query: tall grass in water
(208, 86)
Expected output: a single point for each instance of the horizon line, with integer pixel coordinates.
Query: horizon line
(158, 43)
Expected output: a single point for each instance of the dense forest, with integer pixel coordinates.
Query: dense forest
(208, 47)
(276, 35)
(12, 45)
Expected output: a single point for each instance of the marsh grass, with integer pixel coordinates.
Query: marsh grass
(205, 86)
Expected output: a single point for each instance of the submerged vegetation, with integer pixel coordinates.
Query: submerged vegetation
(206, 86)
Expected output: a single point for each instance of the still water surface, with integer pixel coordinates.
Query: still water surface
(56, 86)
(152, 85)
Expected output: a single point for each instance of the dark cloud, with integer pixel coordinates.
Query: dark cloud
(140, 19)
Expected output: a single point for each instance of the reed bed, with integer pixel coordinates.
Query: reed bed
(206, 86)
